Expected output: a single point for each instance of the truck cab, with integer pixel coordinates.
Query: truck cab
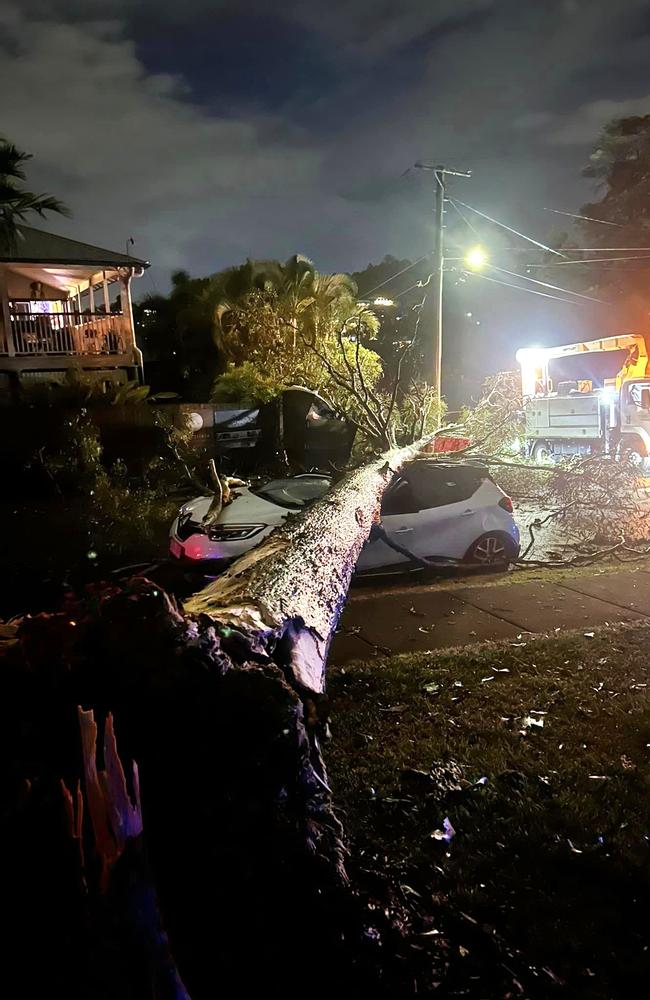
(634, 417)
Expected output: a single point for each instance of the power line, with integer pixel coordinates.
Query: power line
(576, 249)
(545, 284)
(396, 275)
(586, 218)
(617, 269)
(520, 288)
(456, 203)
(153, 283)
(603, 249)
(515, 232)
(463, 216)
(418, 284)
(589, 260)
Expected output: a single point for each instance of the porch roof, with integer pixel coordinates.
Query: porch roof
(38, 247)
(63, 264)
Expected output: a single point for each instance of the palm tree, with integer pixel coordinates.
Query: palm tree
(335, 310)
(296, 290)
(17, 204)
(307, 304)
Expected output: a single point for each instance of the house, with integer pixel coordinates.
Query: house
(60, 310)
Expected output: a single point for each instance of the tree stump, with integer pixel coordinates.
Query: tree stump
(223, 706)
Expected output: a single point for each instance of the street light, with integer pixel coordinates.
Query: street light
(476, 258)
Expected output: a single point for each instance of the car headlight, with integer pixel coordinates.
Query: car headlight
(233, 532)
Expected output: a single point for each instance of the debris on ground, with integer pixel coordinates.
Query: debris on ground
(545, 833)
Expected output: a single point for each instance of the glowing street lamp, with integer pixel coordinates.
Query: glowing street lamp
(476, 258)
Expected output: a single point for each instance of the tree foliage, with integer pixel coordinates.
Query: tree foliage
(124, 513)
(620, 161)
(253, 330)
(620, 165)
(245, 384)
(16, 203)
(256, 312)
(177, 335)
(398, 281)
(279, 305)
(286, 324)
(497, 424)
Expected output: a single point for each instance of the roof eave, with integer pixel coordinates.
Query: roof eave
(57, 262)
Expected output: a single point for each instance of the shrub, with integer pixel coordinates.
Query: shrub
(246, 384)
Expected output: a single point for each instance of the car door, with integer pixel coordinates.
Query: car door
(445, 520)
(397, 520)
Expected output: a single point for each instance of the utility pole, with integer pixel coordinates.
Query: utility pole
(433, 345)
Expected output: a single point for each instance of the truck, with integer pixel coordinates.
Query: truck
(575, 417)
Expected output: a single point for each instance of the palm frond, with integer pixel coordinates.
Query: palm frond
(11, 160)
(17, 204)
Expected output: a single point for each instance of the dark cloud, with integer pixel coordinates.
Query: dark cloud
(210, 131)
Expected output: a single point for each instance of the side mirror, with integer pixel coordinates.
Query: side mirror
(645, 399)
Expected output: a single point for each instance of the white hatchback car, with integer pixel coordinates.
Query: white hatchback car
(434, 513)
(443, 512)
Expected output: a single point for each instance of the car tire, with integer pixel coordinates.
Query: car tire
(493, 549)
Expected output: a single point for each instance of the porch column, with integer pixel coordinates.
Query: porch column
(127, 310)
(107, 298)
(91, 296)
(6, 343)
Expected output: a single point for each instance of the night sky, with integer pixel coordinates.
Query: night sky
(214, 131)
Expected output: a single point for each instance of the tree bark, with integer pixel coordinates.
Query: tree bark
(288, 593)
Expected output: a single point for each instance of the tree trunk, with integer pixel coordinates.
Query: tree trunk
(223, 708)
(288, 593)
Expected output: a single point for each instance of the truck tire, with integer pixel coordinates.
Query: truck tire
(632, 450)
(542, 453)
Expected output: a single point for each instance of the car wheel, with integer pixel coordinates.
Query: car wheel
(491, 549)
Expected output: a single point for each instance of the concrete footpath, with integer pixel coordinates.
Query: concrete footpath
(384, 621)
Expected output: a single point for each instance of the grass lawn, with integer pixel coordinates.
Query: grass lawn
(541, 886)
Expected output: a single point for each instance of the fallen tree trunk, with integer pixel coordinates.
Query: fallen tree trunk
(288, 592)
(222, 707)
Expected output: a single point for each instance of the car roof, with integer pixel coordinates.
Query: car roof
(446, 467)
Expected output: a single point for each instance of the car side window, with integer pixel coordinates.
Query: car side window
(399, 499)
(439, 487)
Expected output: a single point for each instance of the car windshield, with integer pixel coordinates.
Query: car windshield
(293, 493)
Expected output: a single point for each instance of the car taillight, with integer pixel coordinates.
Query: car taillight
(506, 503)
